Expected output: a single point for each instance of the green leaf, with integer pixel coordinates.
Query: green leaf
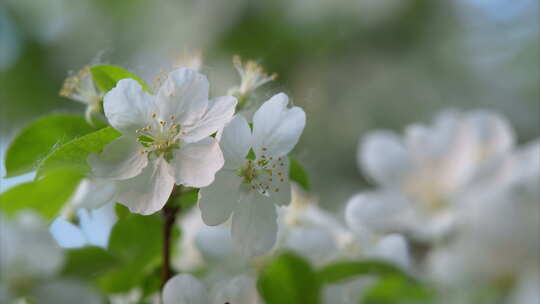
(39, 137)
(47, 195)
(106, 77)
(289, 279)
(135, 242)
(73, 154)
(298, 174)
(398, 289)
(88, 263)
(339, 271)
(251, 154)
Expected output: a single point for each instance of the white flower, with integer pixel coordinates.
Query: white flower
(165, 139)
(249, 188)
(80, 87)
(421, 174)
(497, 241)
(186, 289)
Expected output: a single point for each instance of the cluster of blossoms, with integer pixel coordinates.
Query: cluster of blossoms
(454, 203)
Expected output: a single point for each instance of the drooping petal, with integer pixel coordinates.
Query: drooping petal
(184, 96)
(219, 112)
(383, 157)
(254, 224)
(148, 192)
(219, 199)
(235, 142)
(119, 160)
(128, 107)
(184, 289)
(393, 248)
(276, 129)
(195, 164)
(238, 290)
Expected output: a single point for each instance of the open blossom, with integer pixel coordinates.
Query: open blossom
(421, 174)
(186, 289)
(165, 139)
(251, 184)
(499, 224)
(252, 76)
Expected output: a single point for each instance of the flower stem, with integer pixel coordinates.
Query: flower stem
(169, 213)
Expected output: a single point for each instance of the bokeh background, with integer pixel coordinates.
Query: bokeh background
(353, 65)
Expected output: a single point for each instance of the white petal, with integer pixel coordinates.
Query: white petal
(494, 133)
(219, 112)
(119, 160)
(184, 95)
(218, 200)
(277, 128)
(235, 142)
(393, 248)
(376, 211)
(383, 157)
(238, 290)
(254, 224)
(184, 289)
(128, 107)
(93, 193)
(195, 164)
(148, 192)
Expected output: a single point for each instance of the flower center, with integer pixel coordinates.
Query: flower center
(264, 174)
(160, 137)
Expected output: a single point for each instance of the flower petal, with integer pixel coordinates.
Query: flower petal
(238, 290)
(128, 107)
(383, 157)
(376, 211)
(254, 224)
(494, 133)
(183, 95)
(219, 199)
(235, 142)
(195, 164)
(184, 289)
(277, 128)
(219, 112)
(93, 193)
(119, 160)
(148, 192)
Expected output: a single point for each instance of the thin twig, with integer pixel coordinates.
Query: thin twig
(169, 218)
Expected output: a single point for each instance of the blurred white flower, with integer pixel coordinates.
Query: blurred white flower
(421, 174)
(250, 185)
(80, 87)
(498, 237)
(30, 262)
(186, 289)
(165, 139)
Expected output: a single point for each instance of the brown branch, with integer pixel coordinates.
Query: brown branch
(169, 213)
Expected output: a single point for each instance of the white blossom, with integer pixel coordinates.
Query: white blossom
(249, 187)
(421, 174)
(497, 240)
(165, 139)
